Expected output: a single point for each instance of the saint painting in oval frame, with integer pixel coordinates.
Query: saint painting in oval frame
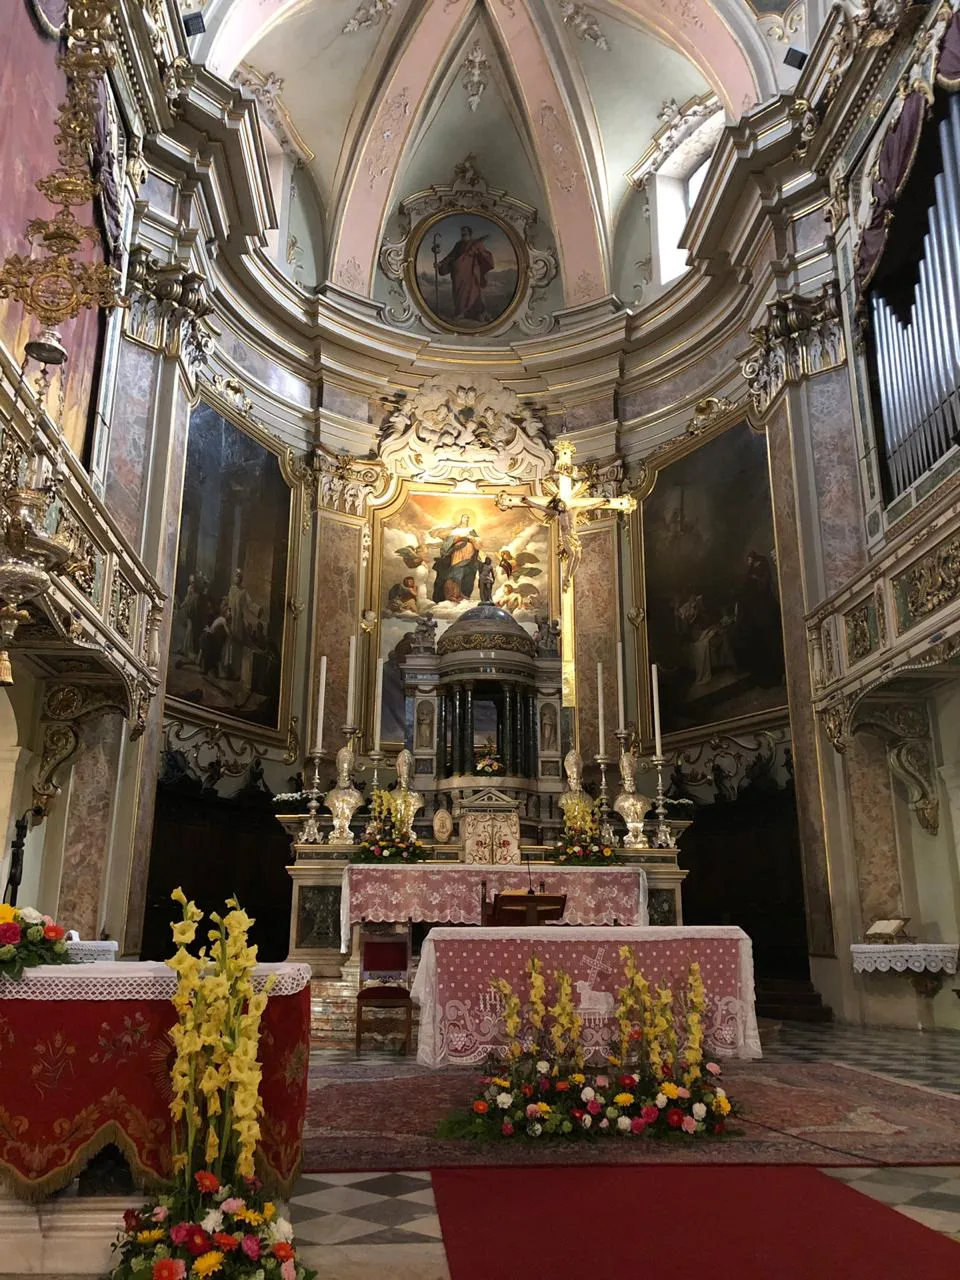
(468, 271)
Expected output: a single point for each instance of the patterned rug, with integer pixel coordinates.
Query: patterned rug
(385, 1117)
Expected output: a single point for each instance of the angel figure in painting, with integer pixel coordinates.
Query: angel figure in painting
(566, 503)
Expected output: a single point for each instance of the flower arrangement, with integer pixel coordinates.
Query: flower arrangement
(487, 761)
(216, 1220)
(582, 841)
(385, 839)
(27, 939)
(656, 1084)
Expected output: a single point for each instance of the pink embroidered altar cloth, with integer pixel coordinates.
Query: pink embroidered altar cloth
(461, 1017)
(452, 893)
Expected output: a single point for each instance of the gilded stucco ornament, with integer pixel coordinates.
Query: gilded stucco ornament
(803, 336)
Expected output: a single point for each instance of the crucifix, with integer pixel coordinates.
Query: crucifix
(566, 503)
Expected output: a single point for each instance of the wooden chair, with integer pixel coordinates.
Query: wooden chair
(385, 983)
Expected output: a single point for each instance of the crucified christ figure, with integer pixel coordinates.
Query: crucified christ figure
(566, 501)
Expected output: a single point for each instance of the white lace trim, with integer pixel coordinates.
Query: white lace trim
(129, 980)
(901, 957)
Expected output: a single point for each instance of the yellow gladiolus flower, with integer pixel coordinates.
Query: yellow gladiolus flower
(184, 933)
(179, 896)
(208, 1263)
(269, 1211)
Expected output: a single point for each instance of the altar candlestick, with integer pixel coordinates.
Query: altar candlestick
(352, 681)
(602, 743)
(318, 740)
(656, 712)
(378, 706)
(620, 709)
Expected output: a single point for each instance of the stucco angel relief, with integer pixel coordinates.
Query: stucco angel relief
(478, 432)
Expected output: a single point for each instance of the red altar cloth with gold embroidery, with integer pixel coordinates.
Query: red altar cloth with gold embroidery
(85, 1057)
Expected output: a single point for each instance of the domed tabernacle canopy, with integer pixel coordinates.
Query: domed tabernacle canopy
(486, 627)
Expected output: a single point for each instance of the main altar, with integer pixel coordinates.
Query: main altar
(472, 694)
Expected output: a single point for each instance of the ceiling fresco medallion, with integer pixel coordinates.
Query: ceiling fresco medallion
(464, 263)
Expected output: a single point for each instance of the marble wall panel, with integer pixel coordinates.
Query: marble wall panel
(596, 604)
(337, 611)
(351, 404)
(811, 232)
(31, 88)
(269, 373)
(131, 437)
(151, 743)
(820, 935)
(874, 829)
(160, 194)
(87, 837)
(833, 442)
(694, 380)
(593, 414)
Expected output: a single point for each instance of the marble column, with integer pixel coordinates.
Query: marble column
(509, 728)
(531, 709)
(442, 735)
(466, 751)
(456, 728)
(521, 735)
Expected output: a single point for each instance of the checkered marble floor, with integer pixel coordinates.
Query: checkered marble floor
(362, 1226)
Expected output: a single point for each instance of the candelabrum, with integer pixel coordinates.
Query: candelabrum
(664, 836)
(377, 758)
(310, 832)
(606, 830)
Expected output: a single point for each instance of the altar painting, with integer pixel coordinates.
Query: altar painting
(431, 553)
(712, 595)
(230, 592)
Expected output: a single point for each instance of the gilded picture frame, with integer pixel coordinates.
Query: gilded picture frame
(478, 298)
(706, 577)
(246, 685)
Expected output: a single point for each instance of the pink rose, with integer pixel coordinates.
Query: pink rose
(683, 1093)
(638, 1124)
(689, 1125)
(602, 1082)
(161, 1213)
(604, 1123)
(506, 1129)
(179, 1232)
(532, 1110)
(594, 1107)
(251, 1247)
(232, 1204)
(9, 933)
(288, 1270)
(712, 1068)
(650, 1114)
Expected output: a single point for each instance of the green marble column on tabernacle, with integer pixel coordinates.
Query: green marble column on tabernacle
(509, 728)
(442, 771)
(456, 728)
(467, 747)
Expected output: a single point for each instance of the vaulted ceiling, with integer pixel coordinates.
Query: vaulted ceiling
(556, 100)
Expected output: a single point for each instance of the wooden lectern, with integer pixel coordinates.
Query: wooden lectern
(521, 907)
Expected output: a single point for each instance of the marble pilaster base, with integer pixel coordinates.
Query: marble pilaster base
(67, 1236)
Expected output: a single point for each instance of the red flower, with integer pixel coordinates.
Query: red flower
(197, 1240)
(206, 1180)
(168, 1269)
(9, 933)
(576, 1113)
(674, 1117)
(638, 1124)
(131, 1220)
(53, 932)
(223, 1240)
(253, 1183)
(251, 1247)
(562, 1086)
(666, 1070)
(179, 1232)
(481, 1107)
(628, 1080)
(719, 1126)
(506, 1129)
(527, 1090)
(283, 1252)
(544, 1083)
(650, 1113)
(594, 1107)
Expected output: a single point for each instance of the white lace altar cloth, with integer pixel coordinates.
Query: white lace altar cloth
(904, 957)
(452, 893)
(461, 1017)
(129, 980)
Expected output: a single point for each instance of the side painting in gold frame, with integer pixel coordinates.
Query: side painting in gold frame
(712, 606)
(237, 559)
(430, 546)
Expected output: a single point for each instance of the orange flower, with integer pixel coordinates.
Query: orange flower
(283, 1252)
(225, 1241)
(53, 932)
(206, 1180)
(480, 1107)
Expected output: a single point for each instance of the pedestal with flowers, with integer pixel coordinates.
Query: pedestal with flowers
(216, 1220)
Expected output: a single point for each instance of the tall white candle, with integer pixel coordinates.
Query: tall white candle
(352, 682)
(658, 745)
(621, 724)
(600, 734)
(378, 706)
(318, 740)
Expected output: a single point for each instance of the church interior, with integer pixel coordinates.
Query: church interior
(479, 495)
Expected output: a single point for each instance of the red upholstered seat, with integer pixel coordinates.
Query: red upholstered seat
(384, 982)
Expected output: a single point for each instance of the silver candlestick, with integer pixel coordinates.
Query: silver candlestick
(606, 830)
(664, 836)
(376, 756)
(310, 832)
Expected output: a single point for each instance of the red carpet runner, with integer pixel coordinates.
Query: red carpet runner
(668, 1222)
